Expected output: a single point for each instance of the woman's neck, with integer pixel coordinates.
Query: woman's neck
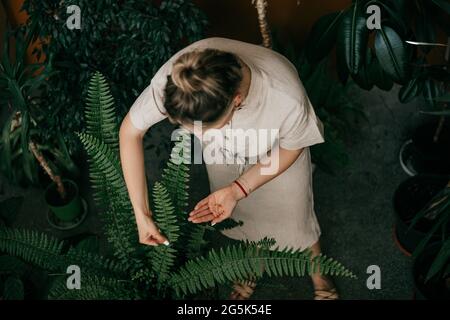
(246, 81)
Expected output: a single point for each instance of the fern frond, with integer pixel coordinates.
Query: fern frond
(93, 287)
(34, 247)
(108, 181)
(100, 113)
(12, 265)
(176, 176)
(94, 263)
(163, 257)
(176, 180)
(239, 262)
(46, 252)
(105, 162)
(195, 240)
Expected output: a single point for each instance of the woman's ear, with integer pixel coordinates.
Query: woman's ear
(237, 101)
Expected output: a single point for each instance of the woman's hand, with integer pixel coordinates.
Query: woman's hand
(218, 206)
(149, 233)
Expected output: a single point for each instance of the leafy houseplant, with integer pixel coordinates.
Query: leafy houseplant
(432, 255)
(126, 40)
(381, 57)
(142, 272)
(428, 151)
(331, 102)
(21, 89)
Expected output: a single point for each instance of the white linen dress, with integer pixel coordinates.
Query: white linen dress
(283, 208)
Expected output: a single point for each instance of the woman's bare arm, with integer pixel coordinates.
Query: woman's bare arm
(219, 205)
(132, 160)
(264, 171)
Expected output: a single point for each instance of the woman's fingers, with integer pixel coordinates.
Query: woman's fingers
(155, 240)
(218, 219)
(201, 203)
(205, 218)
(199, 213)
(200, 209)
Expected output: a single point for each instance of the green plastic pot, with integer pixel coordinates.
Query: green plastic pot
(67, 210)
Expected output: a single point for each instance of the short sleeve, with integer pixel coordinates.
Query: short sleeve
(148, 108)
(302, 128)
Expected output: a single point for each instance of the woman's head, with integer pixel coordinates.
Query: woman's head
(202, 86)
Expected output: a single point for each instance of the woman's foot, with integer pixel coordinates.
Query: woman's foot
(324, 289)
(243, 290)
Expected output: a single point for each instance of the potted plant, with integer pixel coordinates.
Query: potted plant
(179, 270)
(410, 198)
(431, 273)
(61, 196)
(431, 268)
(22, 87)
(428, 150)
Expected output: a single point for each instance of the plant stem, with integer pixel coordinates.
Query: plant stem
(261, 7)
(44, 164)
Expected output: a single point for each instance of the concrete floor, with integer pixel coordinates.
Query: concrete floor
(353, 206)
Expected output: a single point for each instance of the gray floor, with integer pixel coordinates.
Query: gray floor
(354, 206)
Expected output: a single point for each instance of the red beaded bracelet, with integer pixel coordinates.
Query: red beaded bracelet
(241, 187)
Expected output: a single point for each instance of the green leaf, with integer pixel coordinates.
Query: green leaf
(431, 91)
(443, 4)
(391, 53)
(323, 36)
(425, 30)
(362, 78)
(352, 37)
(445, 113)
(411, 90)
(441, 260)
(13, 289)
(378, 77)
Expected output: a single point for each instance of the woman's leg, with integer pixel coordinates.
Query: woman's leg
(323, 285)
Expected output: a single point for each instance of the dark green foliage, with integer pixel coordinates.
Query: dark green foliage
(394, 60)
(93, 287)
(126, 40)
(32, 246)
(333, 104)
(163, 257)
(13, 289)
(246, 261)
(22, 85)
(48, 253)
(150, 272)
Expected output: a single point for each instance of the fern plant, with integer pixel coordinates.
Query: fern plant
(143, 272)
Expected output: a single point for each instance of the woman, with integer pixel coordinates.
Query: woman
(228, 85)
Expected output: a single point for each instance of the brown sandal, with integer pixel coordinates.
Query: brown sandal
(243, 290)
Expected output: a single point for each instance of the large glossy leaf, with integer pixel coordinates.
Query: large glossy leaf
(391, 53)
(341, 67)
(352, 37)
(443, 4)
(425, 29)
(362, 78)
(410, 90)
(397, 11)
(440, 261)
(431, 91)
(323, 36)
(445, 113)
(378, 77)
